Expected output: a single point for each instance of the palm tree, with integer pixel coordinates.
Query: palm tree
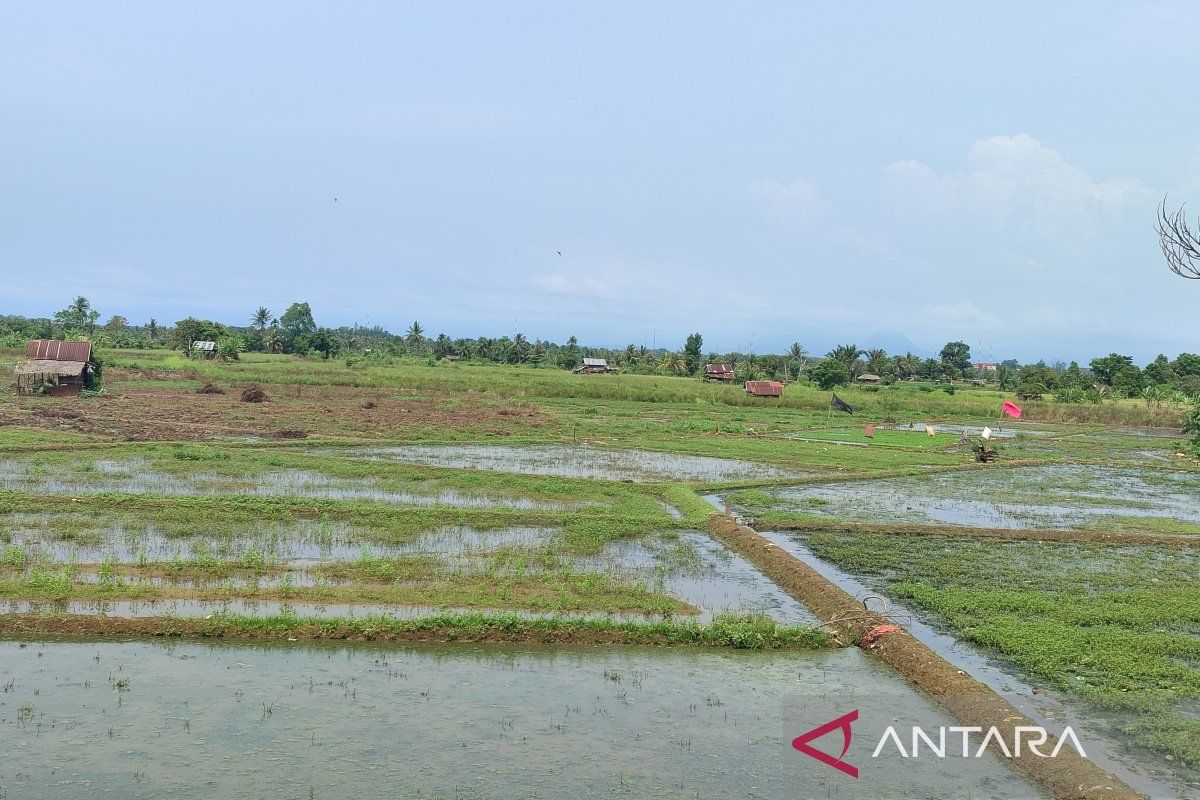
(672, 362)
(273, 340)
(260, 319)
(519, 346)
(152, 329)
(798, 356)
(415, 336)
(847, 354)
(876, 360)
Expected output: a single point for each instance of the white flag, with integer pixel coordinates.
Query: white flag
(987, 433)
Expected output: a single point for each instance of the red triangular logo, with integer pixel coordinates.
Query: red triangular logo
(801, 743)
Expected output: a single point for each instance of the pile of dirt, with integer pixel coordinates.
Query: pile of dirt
(290, 433)
(367, 405)
(253, 394)
(210, 388)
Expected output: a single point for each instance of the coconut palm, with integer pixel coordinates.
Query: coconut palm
(273, 340)
(877, 360)
(260, 320)
(797, 356)
(672, 363)
(847, 354)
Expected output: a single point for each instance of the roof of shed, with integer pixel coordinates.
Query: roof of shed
(765, 388)
(58, 350)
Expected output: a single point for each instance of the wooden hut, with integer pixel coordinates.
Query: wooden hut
(55, 367)
(719, 372)
(592, 366)
(868, 377)
(764, 388)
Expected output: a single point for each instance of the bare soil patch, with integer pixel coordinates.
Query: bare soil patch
(338, 412)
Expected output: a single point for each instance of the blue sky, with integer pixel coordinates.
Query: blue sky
(761, 172)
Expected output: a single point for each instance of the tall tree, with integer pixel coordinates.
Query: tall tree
(797, 357)
(298, 326)
(79, 317)
(692, 352)
(958, 356)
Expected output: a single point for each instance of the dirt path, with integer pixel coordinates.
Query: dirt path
(970, 702)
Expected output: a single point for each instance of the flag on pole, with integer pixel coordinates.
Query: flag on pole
(870, 431)
(839, 404)
(987, 433)
(929, 430)
(1012, 409)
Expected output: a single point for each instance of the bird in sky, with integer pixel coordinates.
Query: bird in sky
(559, 252)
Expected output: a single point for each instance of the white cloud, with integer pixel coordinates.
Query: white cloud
(1012, 179)
(791, 203)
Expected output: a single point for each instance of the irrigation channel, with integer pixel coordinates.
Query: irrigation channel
(187, 718)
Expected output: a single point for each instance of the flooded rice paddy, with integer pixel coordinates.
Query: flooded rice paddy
(573, 462)
(1060, 496)
(687, 565)
(134, 476)
(1108, 747)
(195, 721)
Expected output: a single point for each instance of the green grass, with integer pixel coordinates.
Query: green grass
(1116, 625)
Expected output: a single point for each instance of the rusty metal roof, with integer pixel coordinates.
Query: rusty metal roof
(718, 369)
(764, 388)
(58, 350)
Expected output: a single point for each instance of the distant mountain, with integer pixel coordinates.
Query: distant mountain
(896, 343)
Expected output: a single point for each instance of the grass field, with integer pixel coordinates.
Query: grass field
(472, 499)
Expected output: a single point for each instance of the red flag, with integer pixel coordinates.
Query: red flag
(1012, 409)
(870, 431)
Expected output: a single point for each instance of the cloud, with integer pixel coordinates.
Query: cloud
(791, 203)
(1012, 180)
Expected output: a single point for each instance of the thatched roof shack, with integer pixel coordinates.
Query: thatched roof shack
(764, 388)
(718, 372)
(868, 377)
(54, 367)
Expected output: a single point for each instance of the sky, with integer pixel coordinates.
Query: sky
(888, 174)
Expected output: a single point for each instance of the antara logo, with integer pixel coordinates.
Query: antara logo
(801, 743)
(1030, 737)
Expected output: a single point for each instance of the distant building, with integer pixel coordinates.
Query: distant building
(764, 388)
(205, 349)
(55, 368)
(985, 366)
(595, 365)
(719, 372)
(868, 377)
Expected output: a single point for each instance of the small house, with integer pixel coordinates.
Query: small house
(204, 349)
(868, 377)
(764, 388)
(719, 372)
(55, 368)
(595, 365)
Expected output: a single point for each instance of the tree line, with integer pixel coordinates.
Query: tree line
(295, 331)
